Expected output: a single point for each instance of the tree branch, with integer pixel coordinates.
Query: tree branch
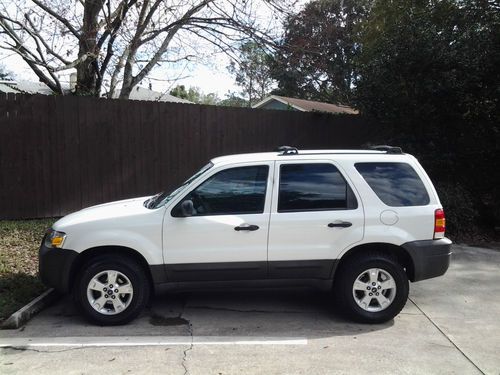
(58, 17)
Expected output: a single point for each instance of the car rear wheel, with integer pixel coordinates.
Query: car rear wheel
(372, 287)
(112, 290)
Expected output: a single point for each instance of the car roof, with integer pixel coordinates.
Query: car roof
(301, 154)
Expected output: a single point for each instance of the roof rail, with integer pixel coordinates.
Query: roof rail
(388, 149)
(287, 150)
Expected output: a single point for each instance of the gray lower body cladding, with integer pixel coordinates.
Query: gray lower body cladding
(431, 258)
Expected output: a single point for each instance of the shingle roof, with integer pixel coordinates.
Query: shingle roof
(309, 105)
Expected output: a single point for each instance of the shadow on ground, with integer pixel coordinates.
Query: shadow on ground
(250, 313)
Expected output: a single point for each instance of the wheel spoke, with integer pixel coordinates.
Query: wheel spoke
(118, 305)
(99, 303)
(388, 284)
(366, 300)
(359, 285)
(112, 277)
(96, 285)
(373, 275)
(125, 289)
(382, 300)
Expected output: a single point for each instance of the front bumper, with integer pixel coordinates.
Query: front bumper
(54, 266)
(431, 258)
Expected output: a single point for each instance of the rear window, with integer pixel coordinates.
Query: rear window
(396, 184)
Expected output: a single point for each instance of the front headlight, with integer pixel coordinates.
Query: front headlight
(53, 238)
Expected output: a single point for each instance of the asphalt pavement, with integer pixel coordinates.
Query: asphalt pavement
(450, 325)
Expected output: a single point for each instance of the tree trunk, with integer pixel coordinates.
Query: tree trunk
(87, 70)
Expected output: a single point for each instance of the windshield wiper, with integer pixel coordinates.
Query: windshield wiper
(149, 203)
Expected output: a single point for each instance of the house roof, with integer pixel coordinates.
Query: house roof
(308, 105)
(138, 93)
(9, 87)
(28, 87)
(141, 93)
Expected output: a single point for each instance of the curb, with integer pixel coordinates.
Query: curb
(25, 313)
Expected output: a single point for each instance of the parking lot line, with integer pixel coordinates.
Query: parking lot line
(117, 341)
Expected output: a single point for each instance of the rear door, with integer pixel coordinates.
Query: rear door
(315, 214)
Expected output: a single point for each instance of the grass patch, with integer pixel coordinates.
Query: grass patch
(19, 282)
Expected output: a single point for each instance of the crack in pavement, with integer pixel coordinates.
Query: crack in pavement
(446, 336)
(25, 349)
(190, 330)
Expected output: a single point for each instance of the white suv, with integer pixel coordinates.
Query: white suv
(362, 223)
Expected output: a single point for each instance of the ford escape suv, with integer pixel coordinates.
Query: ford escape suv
(362, 223)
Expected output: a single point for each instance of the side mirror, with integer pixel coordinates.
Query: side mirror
(187, 208)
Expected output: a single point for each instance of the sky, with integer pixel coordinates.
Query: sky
(210, 75)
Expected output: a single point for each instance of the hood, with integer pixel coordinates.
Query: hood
(106, 211)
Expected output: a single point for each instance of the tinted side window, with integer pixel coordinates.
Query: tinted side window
(396, 184)
(232, 191)
(313, 187)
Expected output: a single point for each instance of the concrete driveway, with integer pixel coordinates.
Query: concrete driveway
(450, 325)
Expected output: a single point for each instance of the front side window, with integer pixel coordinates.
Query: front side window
(313, 187)
(396, 184)
(232, 191)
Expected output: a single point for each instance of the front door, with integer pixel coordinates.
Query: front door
(315, 215)
(225, 238)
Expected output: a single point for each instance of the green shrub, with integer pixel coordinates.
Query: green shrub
(460, 209)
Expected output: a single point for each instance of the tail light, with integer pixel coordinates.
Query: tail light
(439, 224)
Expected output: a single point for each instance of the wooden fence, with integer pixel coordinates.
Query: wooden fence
(60, 154)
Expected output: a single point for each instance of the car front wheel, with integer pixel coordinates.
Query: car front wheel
(112, 290)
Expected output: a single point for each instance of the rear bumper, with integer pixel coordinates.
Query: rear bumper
(54, 266)
(431, 258)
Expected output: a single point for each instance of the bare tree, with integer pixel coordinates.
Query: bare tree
(111, 42)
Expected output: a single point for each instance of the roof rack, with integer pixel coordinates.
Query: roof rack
(287, 150)
(388, 149)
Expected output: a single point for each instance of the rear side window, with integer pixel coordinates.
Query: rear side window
(396, 184)
(313, 187)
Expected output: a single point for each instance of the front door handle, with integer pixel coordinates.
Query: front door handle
(340, 224)
(246, 227)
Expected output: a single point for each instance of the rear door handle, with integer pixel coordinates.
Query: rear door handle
(246, 227)
(340, 224)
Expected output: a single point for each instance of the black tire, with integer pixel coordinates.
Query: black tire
(127, 267)
(348, 274)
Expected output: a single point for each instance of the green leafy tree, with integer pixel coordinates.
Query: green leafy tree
(233, 100)
(315, 59)
(428, 72)
(427, 63)
(252, 72)
(195, 95)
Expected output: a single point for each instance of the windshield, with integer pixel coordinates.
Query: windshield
(161, 198)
